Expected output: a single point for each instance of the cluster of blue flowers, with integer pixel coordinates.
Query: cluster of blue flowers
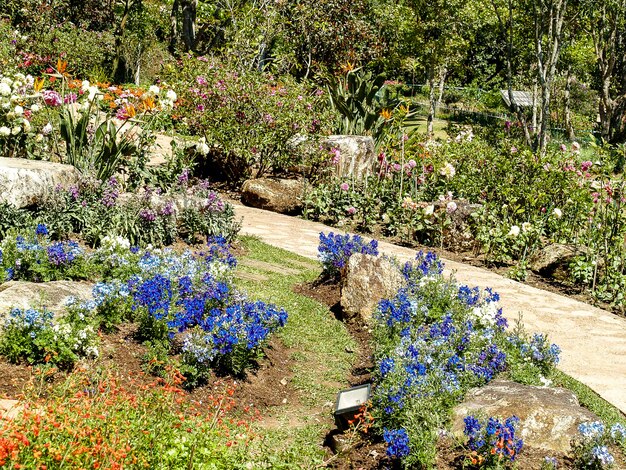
(335, 250)
(435, 339)
(592, 449)
(492, 440)
(192, 294)
(30, 320)
(397, 442)
(63, 253)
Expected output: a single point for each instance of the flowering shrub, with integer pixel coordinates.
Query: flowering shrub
(97, 420)
(36, 337)
(492, 442)
(433, 341)
(335, 250)
(591, 447)
(35, 257)
(248, 119)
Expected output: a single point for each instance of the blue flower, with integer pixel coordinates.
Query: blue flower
(397, 442)
(41, 229)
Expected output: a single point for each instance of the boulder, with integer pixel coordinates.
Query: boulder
(52, 295)
(25, 183)
(273, 194)
(366, 281)
(549, 417)
(553, 260)
(357, 154)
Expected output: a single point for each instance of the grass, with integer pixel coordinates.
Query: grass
(321, 362)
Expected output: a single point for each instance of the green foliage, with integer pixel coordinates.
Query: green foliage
(359, 99)
(36, 337)
(249, 120)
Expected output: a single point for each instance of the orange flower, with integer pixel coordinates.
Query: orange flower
(61, 65)
(386, 114)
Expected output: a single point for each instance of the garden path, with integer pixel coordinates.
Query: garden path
(593, 341)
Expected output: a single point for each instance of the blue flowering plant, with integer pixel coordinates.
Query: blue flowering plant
(593, 445)
(434, 340)
(335, 250)
(491, 443)
(33, 256)
(533, 359)
(37, 336)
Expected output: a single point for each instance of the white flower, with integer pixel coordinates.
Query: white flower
(202, 148)
(92, 92)
(171, 95)
(155, 90)
(526, 226)
(38, 138)
(429, 210)
(5, 89)
(35, 108)
(5, 131)
(557, 213)
(451, 207)
(16, 130)
(514, 231)
(26, 125)
(18, 110)
(85, 85)
(448, 171)
(46, 129)
(575, 147)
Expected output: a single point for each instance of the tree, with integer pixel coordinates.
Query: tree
(443, 32)
(606, 24)
(548, 19)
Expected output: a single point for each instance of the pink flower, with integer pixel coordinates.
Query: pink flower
(584, 166)
(344, 186)
(201, 80)
(52, 98)
(351, 210)
(336, 155)
(451, 207)
(513, 149)
(412, 163)
(563, 147)
(397, 167)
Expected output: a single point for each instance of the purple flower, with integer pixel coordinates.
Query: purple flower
(70, 98)
(147, 214)
(344, 186)
(183, 178)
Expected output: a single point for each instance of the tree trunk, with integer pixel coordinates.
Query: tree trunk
(174, 27)
(432, 100)
(119, 64)
(442, 81)
(567, 112)
(189, 23)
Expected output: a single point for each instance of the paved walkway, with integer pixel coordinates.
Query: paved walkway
(593, 341)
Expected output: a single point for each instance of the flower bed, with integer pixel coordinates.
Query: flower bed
(188, 297)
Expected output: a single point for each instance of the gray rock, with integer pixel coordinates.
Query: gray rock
(27, 182)
(549, 417)
(273, 194)
(366, 281)
(553, 260)
(357, 157)
(52, 295)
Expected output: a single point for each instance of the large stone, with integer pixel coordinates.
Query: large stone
(357, 154)
(549, 417)
(553, 260)
(273, 194)
(51, 295)
(27, 182)
(367, 280)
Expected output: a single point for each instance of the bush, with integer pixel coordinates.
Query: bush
(249, 120)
